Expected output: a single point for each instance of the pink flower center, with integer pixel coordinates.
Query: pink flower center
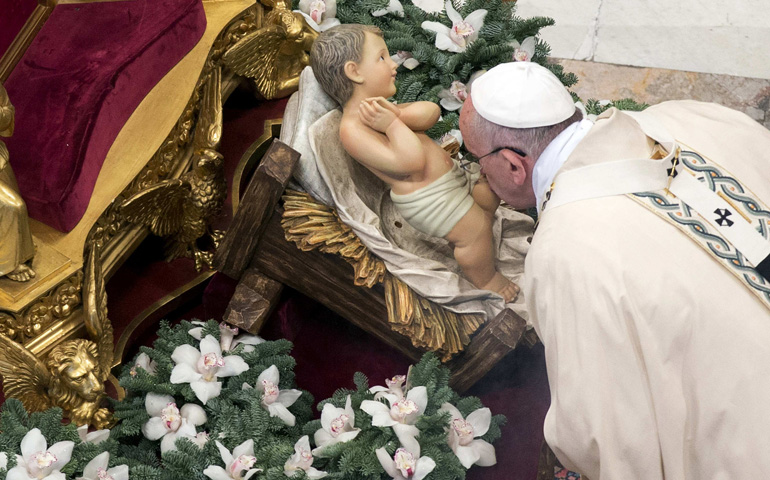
(397, 380)
(317, 10)
(208, 365)
(405, 462)
(458, 90)
(402, 408)
(102, 474)
(171, 417)
(463, 29)
(132, 372)
(305, 458)
(520, 55)
(40, 464)
(201, 439)
(338, 425)
(243, 462)
(464, 430)
(271, 392)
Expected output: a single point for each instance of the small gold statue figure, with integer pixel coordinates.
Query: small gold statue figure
(16, 247)
(73, 375)
(274, 55)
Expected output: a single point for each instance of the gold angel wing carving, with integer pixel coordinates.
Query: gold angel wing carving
(96, 321)
(160, 207)
(24, 376)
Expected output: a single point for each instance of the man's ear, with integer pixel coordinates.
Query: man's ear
(351, 71)
(517, 164)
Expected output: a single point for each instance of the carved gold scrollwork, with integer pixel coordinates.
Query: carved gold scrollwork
(56, 305)
(313, 225)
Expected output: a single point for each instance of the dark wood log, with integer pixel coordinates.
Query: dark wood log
(256, 208)
(255, 297)
(328, 279)
(495, 339)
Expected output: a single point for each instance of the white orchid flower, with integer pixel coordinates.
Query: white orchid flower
(525, 51)
(337, 426)
(95, 437)
(237, 464)
(405, 464)
(229, 338)
(402, 414)
(302, 460)
(97, 469)
(430, 6)
(143, 361)
(406, 59)
(463, 31)
(169, 422)
(462, 436)
(37, 461)
(319, 14)
(452, 98)
(453, 134)
(394, 7)
(201, 368)
(274, 400)
(394, 387)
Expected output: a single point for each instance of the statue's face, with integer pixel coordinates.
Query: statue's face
(80, 376)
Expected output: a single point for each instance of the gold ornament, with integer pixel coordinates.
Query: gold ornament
(182, 208)
(73, 375)
(274, 55)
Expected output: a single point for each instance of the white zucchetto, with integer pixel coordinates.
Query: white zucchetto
(521, 95)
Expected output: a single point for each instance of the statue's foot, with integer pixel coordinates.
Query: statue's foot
(22, 273)
(216, 237)
(503, 286)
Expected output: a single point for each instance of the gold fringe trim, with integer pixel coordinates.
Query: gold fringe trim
(313, 225)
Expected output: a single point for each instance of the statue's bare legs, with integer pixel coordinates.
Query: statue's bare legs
(474, 252)
(22, 273)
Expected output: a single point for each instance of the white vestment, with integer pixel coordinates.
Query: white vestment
(658, 358)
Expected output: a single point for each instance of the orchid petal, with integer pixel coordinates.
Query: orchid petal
(528, 45)
(429, 6)
(195, 414)
(310, 22)
(246, 448)
(270, 374)
(154, 429)
(328, 414)
(18, 473)
(227, 457)
(424, 466)
(288, 397)
(215, 472)
(234, 365)
(251, 472)
(99, 461)
(419, 395)
(154, 403)
(55, 475)
(379, 388)
(184, 373)
(168, 443)
(322, 437)
(450, 104)
(328, 23)
(186, 354)
(211, 345)
(303, 443)
(387, 462)
(196, 332)
(453, 411)
(314, 474)
(247, 339)
(206, 390)
(119, 473)
(437, 27)
(479, 420)
(411, 63)
(63, 453)
(98, 436)
(485, 451)
(466, 454)
(476, 19)
(406, 434)
(349, 409)
(278, 410)
(452, 13)
(32, 443)
(348, 436)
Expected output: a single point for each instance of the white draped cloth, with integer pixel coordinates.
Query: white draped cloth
(658, 358)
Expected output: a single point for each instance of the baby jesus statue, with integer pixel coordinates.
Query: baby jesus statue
(428, 188)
